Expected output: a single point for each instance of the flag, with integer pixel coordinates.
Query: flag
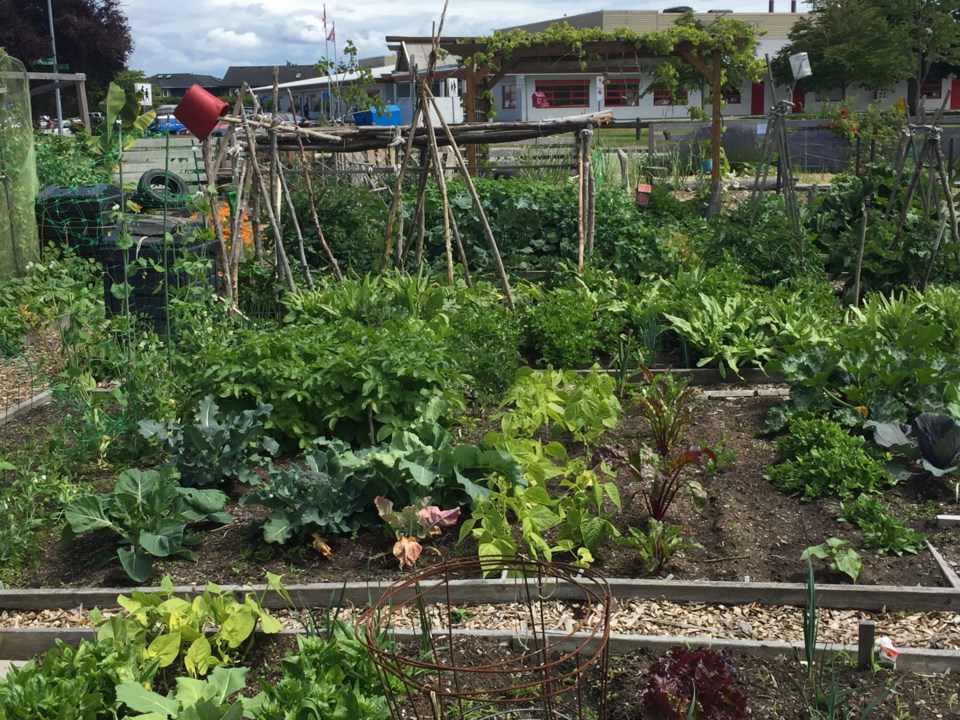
(332, 36)
(324, 18)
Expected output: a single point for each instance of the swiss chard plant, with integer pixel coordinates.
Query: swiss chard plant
(412, 524)
(213, 449)
(659, 479)
(149, 511)
(693, 683)
(669, 406)
(657, 545)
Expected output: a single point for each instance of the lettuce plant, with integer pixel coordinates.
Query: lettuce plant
(693, 682)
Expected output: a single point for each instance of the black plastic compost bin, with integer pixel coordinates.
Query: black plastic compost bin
(78, 217)
(148, 300)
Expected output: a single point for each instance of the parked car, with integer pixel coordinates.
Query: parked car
(48, 126)
(163, 124)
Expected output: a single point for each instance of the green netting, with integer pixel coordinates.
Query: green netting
(19, 243)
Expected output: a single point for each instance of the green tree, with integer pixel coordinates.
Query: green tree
(354, 87)
(93, 37)
(929, 31)
(849, 42)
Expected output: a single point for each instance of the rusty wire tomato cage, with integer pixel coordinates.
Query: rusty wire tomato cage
(544, 672)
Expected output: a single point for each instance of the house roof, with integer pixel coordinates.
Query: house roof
(324, 80)
(257, 75)
(177, 80)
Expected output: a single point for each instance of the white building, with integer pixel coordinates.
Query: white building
(621, 90)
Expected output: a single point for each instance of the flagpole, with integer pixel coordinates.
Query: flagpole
(326, 58)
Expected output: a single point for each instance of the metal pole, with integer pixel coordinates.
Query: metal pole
(56, 79)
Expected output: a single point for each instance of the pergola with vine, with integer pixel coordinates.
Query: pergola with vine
(711, 49)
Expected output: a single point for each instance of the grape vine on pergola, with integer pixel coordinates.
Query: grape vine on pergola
(710, 49)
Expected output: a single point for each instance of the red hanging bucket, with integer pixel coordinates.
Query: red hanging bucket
(200, 111)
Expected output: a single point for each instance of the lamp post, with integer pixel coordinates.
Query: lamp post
(56, 69)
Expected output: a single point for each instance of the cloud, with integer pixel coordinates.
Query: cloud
(190, 35)
(221, 38)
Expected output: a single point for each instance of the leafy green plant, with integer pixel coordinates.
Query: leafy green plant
(192, 699)
(562, 400)
(78, 683)
(362, 383)
(149, 512)
(413, 523)
(840, 559)
(31, 501)
(882, 532)
(213, 450)
(573, 522)
(319, 497)
(335, 492)
(693, 683)
(895, 358)
(727, 331)
(821, 459)
(212, 630)
(657, 545)
(331, 676)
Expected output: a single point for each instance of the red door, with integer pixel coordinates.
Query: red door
(955, 94)
(757, 104)
(799, 96)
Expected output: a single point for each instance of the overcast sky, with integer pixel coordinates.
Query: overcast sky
(207, 36)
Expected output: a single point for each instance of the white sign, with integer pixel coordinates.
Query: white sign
(144, 91)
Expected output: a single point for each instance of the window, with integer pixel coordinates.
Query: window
(879, 94)
(621, 93)
(665, 97)
(508, 97)
(565, 93)
(932, 90)
(732, 97)
(403, 89)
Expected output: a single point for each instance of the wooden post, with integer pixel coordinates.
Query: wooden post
(715, 135)
(581, 204)
(866, 637)
(470, 112)
(82, 104)
(624, 175)
(591, 188)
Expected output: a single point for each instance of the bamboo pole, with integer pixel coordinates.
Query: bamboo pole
(308, 181)
(215, 220)
(301, 251)
(442, 185)
(282, 265)
(479, 205)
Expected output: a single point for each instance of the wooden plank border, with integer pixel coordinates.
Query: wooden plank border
(25, 643)
(321, 595)
(26, 406)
